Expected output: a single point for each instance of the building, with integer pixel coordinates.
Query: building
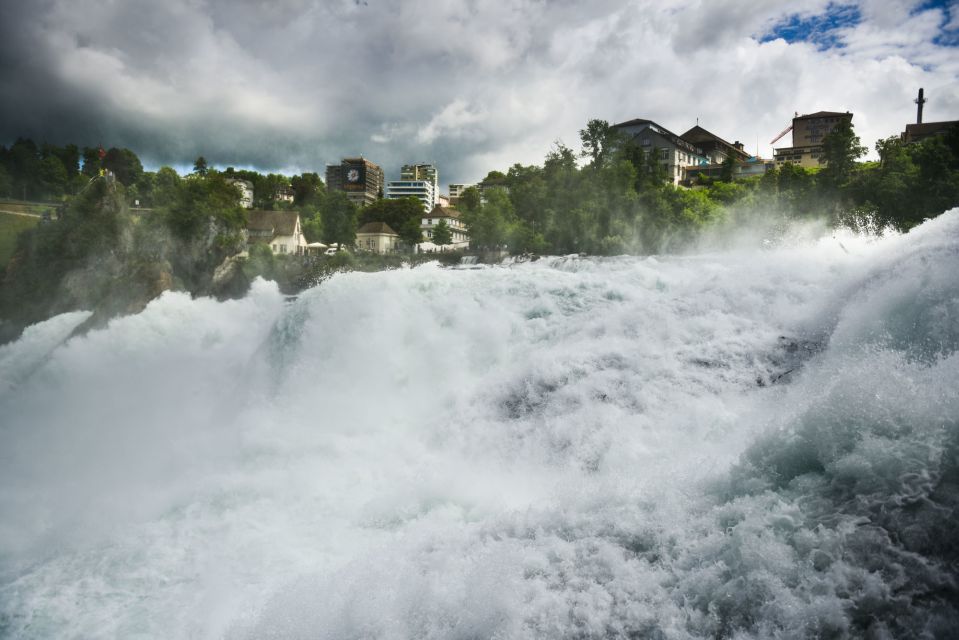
(741, 170)
(715, 148)
(246, 191)
(425, 172)
(377, 237)
(361, 179)
(922, 130)
(280, 230)
(456, 192)
(422, 190)
(808, 132)
(673, 152)
(420, 181)
(283, 194)
(458, 233)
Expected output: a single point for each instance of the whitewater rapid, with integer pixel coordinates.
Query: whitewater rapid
(753, 443)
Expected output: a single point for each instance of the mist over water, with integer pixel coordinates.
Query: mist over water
(756, 443)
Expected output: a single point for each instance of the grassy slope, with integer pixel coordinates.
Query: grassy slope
(10, 227)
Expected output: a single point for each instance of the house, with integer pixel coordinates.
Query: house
(283, 194)
(673, 152)
(458, 232)
(377, 237)
(808, 132)
(280, 230)
(246, 191)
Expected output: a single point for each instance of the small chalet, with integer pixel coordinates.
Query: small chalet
(458, 232)
(280, 230)
(377, 237)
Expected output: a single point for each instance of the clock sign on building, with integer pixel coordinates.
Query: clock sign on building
(361, 179)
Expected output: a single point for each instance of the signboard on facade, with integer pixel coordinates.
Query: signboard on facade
(354, 177)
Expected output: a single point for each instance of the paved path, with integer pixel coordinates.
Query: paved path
(20, 213)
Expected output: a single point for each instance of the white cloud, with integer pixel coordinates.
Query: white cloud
(471, 85)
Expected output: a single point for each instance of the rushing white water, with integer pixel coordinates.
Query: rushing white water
(762, 443)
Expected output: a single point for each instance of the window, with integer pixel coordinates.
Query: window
(664, 154)
(645, 142)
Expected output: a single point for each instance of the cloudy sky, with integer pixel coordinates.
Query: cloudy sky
(291, 85)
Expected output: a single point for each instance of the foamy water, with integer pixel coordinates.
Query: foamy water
(758, 443)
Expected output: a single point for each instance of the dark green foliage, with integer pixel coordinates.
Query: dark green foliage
(726, 173)
(199, 166)
(841, 150)
(124, 164)
(51, 270)
(911, 182)
(338, 219)
(308, 189)
(403, 215)
(441, 233)
(198, 201)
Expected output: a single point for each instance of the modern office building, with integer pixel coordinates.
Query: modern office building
(361, 179)
(422, 190)
(423, 171)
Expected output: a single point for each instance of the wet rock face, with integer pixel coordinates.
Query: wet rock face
(228, 278)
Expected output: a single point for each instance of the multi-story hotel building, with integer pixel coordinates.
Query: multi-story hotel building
(808, 132)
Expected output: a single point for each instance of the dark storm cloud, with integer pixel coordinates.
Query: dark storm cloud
(295, 84)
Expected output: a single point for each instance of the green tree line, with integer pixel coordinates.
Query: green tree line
(621, 201)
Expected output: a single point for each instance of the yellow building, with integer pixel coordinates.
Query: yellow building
(808, 132)
(377, 237)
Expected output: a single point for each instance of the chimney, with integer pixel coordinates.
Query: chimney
(919, 101)
(738, 145)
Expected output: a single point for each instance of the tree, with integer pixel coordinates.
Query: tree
(339, 219)
(840, 150)
(124, 164)
(726, 172)
(441, 233)
(199, 166)
(599, 141)
(403, 215)
(470, 200)
(495, 179)
(52, 176)
(490, 225)
(166, 185)
(91, 161)
(307, 189)
(197, 202)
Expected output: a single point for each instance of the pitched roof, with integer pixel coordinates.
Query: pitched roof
(439, 211)
(632, 123)
(698, 136)
(281, 223)
(377, 227)
(661, 130)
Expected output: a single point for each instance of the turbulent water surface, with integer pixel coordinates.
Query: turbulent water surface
(757, 443)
